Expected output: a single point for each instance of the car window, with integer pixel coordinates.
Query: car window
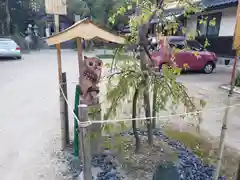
(194, 45)
(179, 45)
(7, 43)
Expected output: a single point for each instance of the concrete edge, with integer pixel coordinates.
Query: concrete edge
(225, 87)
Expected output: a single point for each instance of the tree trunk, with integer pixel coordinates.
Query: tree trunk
(142, 32)
(134, 123)
(8, 17)
(148, 114)
(154, 108)
(146, 98)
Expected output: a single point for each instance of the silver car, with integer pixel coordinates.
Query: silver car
(9, 49)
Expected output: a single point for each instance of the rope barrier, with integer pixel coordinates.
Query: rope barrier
(112, 121)
(81, 124)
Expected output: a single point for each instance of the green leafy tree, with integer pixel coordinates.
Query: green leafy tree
(78, 7)
(14, 14)
(140, 78)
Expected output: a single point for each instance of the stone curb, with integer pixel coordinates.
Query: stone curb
(225, 87)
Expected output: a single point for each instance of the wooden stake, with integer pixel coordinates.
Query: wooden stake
(80, 56)
(59, 63)
(56, 19)
(222, 138)
(62, 118)
(236, 38)
(225, 120)
(65, 123)
(96, 140)
(61, 98)
(85, 142)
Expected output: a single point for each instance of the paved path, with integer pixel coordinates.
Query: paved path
(29, 114)
(207, 87)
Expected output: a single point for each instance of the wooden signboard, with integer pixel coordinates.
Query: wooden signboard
(236, 42)
(56, 7)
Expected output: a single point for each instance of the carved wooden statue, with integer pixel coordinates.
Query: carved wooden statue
(90, 75)
(89, 78)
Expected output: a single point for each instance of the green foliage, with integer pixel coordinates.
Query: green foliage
(122, 84)
(206, 43)
(20, 11)
(127, 79)
(100, 10)
(93, 112)
(212, 22)
(78, 7)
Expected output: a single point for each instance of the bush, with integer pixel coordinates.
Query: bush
(237, 80)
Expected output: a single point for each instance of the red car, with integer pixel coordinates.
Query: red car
(190, 53)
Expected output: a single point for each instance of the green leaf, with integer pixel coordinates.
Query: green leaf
(129, 7)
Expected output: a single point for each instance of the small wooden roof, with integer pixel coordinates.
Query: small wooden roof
(84, 29)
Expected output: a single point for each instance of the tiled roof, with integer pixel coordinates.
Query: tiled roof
(206, 4)
(173, 11)
(216, 3)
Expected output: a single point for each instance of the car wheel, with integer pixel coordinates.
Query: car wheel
(19, 57)
(208, 68)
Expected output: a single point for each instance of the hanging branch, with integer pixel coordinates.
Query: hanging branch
(114, 57)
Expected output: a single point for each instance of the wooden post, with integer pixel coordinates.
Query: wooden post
(84, 142)
(62, 118)
(236, 46)
(96, 140)
(80, 56)
(59, 63)
(61, 98)
(65, 123)
(236, 39)
(56, 19)
(222, 138)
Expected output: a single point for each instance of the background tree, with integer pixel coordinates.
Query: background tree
(14, 14)
(78, 7)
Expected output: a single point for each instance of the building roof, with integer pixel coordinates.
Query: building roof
(84, 29)
(218, 3)
(173, 11)
(206, 4)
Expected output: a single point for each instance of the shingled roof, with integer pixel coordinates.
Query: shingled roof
(173, 11)
(218, 3)
(206, 4)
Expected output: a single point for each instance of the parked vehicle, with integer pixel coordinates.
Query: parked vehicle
(190, 53)
(9, 49)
